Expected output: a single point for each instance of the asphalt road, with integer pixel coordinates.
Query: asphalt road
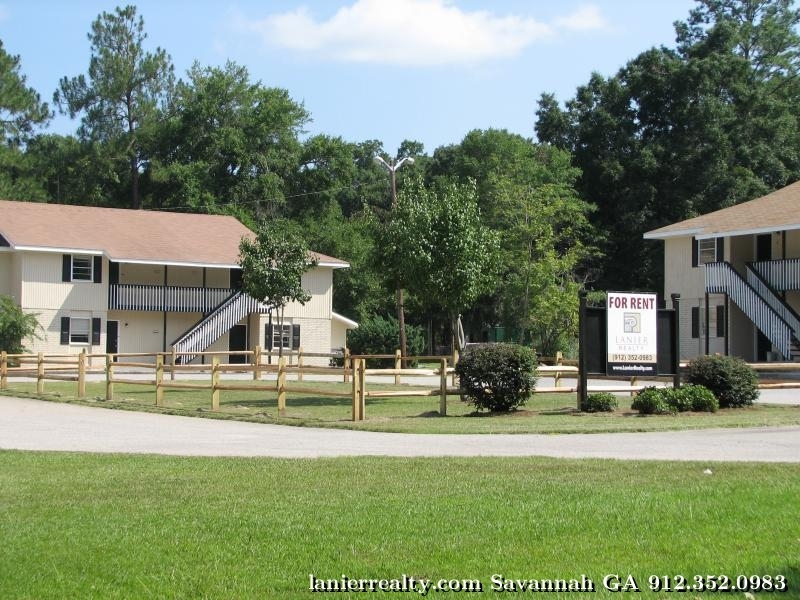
(39, 425)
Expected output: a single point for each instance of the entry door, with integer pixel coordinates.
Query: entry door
(237, 340)
(764, 247)
(112, 337)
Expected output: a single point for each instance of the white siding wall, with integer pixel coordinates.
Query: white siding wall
(315, 336)
(319, 283)
(6, 275)
(42, 287)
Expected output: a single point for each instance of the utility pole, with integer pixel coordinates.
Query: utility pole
(392, 167)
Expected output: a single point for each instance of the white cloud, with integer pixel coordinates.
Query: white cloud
(404, 32)
(586, 18)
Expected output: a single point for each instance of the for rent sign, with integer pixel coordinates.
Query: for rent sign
(632, 324)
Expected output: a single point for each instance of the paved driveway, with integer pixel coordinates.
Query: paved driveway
(39, 425)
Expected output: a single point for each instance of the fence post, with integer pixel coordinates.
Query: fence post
(82, 374)
(282, 386)
(362, 385)
(3, 370)
(40, 373)
(300, 364)
(356, 404)
(109, 376)
(398, 364)
(559, 357)
(215, 382)
(347, 365)
(359, 381)
(172, 365)
(159, 379)
(257, 363)
(443, 386)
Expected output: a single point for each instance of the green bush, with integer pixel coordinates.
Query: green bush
(730, 379)
(667, 400)
(652, 401)
(692, 397)
(497, 377)
(381, 335)
(600, 402)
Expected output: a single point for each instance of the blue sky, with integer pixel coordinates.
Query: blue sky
(425, 70)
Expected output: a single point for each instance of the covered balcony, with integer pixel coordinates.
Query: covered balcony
(165, 298)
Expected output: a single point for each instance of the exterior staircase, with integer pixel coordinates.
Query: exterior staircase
(760, 303)
(232, 310)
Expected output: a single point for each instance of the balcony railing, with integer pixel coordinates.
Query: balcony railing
(125, 296)
(781, 275)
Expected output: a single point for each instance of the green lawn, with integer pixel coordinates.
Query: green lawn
(544, 413)
(119, 526)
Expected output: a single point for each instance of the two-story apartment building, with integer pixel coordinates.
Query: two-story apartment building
(738, 273)
(115, 280)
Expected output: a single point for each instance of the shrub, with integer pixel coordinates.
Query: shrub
(652, 401)
(659, 401)
(730, 379)
(497, 377)
(381, 335)
(600, 402)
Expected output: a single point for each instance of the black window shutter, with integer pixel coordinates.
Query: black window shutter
(695, 251)
(66, 267)
(720, 320)
(695, 321)
(96, 331)
(295, 337)
(113, 272)
(720, 249)
(97, 271)
(268, 336)
(64, 331)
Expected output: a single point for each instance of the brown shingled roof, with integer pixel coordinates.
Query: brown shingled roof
(778, 211)
(128, 235)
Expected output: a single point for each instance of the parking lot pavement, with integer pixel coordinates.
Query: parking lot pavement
(40, 425)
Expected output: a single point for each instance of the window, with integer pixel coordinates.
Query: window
(287, 337)
(707, 251)
(79, 267)
(79, 331)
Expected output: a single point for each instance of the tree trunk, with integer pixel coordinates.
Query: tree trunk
(136, 202)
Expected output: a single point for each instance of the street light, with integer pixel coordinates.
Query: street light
(392, 167)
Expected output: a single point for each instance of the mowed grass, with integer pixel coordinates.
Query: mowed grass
(121, 526)
(544, 413)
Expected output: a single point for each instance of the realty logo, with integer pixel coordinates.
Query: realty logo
(632, 322)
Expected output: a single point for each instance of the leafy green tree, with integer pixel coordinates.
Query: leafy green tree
(15, 326)
(21, 111)
(228, 144)
(273, 264)
(436, 245)
(124, 88)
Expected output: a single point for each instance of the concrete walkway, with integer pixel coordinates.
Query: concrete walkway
(39, 425)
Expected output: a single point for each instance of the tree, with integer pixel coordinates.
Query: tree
(123, 91)
(273, 264)
(21, 110)
(228, 144)
(15, 326)
(436, 245)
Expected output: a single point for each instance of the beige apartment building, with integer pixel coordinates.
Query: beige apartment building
(738, 273)
(115, 280)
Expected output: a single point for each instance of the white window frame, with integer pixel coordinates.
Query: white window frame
(286, 339)
(76, 334)
(706, 251)
(82, 272)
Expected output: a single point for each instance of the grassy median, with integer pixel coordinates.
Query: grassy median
(119, 526)
(544, 413)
